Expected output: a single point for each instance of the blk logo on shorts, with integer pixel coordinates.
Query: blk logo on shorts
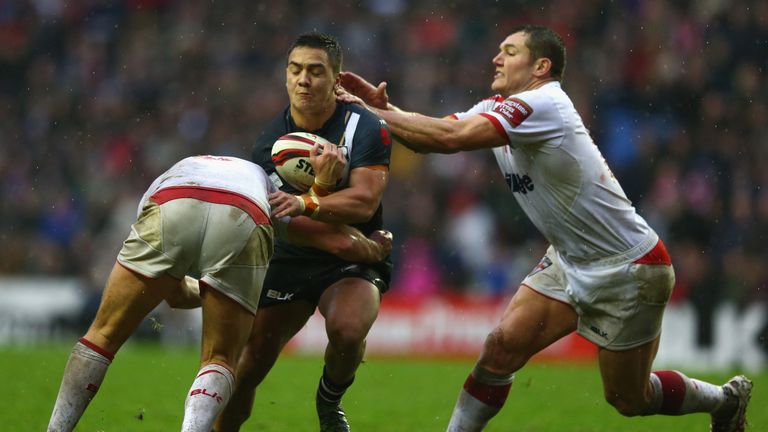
(599, 332)
(277, 295)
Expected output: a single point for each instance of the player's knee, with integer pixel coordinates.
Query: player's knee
(346, 337)
(502, 354)
(625, 406)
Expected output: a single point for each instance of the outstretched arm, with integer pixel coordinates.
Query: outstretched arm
(418, 132)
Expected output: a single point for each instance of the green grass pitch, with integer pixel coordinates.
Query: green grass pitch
(146, 385)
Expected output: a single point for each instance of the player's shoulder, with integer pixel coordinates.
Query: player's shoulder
(366, 118)
(274, 130)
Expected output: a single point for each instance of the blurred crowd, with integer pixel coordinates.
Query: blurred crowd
(97, 97)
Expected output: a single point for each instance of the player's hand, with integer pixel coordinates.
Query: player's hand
(384, 239)
(285, 204)
(342, 95)
(328, 162)
(355, 85)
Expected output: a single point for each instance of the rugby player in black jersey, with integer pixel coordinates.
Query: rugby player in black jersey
(300, 279)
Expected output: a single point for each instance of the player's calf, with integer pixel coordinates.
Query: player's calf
(481, 398)
(83, 375)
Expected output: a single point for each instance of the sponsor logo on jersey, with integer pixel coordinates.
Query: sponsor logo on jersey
(519, 183)
(514, 110)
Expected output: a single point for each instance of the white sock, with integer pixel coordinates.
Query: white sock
(482, 397)
(676, 394)
(82, 378)
(208, 395)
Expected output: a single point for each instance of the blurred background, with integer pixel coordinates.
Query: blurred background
(98, 97)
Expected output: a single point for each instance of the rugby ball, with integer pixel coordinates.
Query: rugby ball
(290, 154)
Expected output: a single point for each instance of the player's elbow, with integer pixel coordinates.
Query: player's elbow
(363, 211)
(367, 212)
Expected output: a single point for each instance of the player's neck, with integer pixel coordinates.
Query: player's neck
(538, 82)
(312, 120)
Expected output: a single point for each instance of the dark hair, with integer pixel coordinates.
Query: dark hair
(544, 42)
(322, 41)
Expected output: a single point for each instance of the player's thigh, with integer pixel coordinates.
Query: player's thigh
(530, 323)
(226, 327)
(535, 320)
(350, 306)
(625, 373)
(126, 301)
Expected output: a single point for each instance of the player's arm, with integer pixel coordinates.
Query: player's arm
(418, 132)
(358, 202)
(346, 242)
(425, 134)
(354, 204)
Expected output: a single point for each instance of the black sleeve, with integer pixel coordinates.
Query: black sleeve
(372, 143)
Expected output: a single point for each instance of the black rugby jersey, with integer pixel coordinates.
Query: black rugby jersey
(350, 125)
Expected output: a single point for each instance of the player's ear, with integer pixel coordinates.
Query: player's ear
(542, 67)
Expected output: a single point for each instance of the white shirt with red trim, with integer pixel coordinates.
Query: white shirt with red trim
(219, 173)
(561, 179)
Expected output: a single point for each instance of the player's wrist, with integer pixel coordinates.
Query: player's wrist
(325, 183)
(310, 205)
(320, 188)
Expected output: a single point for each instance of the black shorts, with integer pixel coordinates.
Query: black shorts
(289, 280)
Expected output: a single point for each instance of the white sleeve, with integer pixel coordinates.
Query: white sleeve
(484, 105)
(527, 118)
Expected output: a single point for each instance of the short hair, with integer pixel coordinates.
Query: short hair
(322, 41)
(544, 42)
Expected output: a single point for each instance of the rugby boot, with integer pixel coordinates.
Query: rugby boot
(331, 415)
(740, 389)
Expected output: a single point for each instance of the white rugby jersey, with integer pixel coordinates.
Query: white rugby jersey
(227, 174)
(561, 179)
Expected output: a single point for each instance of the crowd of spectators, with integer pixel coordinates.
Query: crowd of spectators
(97, 97)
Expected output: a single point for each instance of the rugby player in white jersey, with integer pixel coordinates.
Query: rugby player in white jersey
(606, 275)
(207, 216)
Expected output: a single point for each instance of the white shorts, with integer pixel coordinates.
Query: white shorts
(220, 244)
(620, 305)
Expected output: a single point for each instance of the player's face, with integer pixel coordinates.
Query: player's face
(513, 66)
(310, 80)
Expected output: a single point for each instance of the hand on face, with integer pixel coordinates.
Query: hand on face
(355, 85)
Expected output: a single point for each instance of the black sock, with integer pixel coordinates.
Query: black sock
(330, 392)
